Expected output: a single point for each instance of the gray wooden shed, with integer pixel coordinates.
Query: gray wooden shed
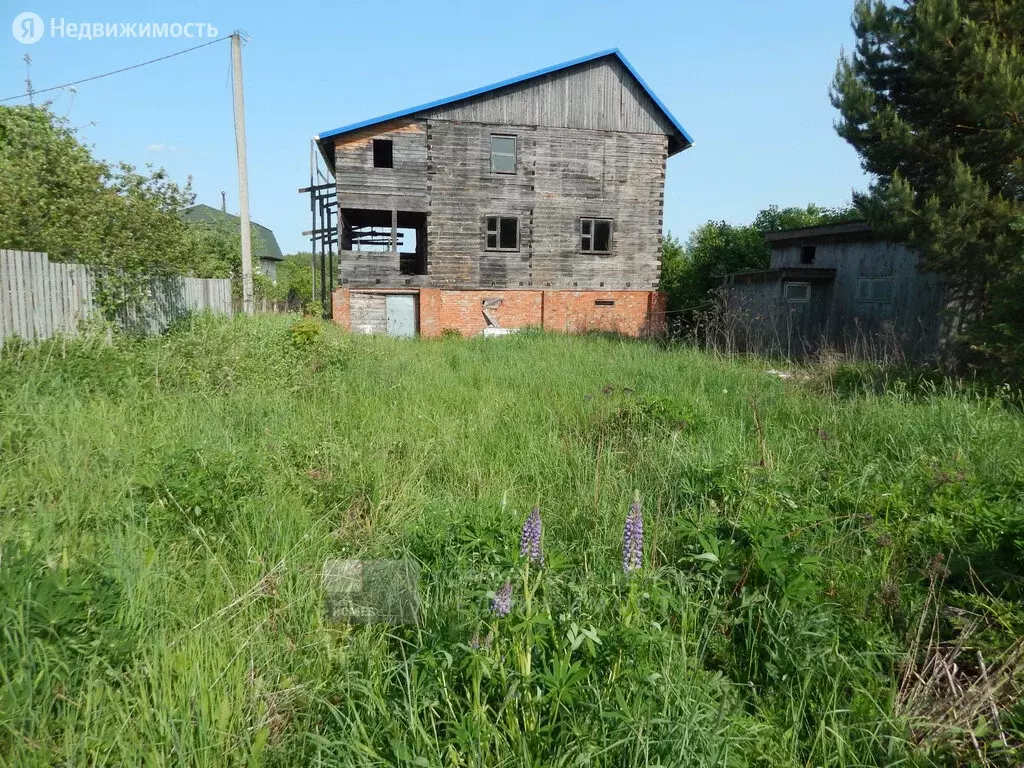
(841, 287)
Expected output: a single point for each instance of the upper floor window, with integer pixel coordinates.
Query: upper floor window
(807, 253)
(875, 289)
(383, 153)
(596, 235)
(502, 233)
(503, 154)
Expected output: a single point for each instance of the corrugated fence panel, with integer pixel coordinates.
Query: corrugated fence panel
(40, 299)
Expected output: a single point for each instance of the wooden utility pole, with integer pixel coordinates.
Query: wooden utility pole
(243, 172)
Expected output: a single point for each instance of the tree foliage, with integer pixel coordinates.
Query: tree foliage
(57, 198)
(692, 273)
(294, 288)
(933, 100)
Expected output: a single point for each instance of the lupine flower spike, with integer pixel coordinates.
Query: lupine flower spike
(501, 605)
(633, 539)
(529, 542)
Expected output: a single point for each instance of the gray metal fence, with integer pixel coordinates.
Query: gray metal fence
(40, 298)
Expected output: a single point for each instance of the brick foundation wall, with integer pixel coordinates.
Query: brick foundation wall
(634, 313)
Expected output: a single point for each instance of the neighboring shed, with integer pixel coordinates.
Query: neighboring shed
(265, 250)
(837, 286)
(534, 201)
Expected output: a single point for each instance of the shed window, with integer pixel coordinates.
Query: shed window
(797, 293)
(604, 302)
(807, 254)
(875, 289)
(502, 233)
(503, 154)
(383, 153)
(595, 235)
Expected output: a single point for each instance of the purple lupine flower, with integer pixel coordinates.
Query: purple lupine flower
(633, 539)
(529, 542)
(501, 605)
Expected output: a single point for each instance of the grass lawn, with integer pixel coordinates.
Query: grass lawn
(166, 508)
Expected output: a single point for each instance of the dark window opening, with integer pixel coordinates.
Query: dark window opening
(596, 235)
(807, 254)
(502, 233)
(503, 154)
(604, 302)
(383, 153)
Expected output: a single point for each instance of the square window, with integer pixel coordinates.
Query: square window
(502, 233)
(596, 235)
(383, 153)
(807, 254)
(503, 154)
(797, 293)
(875, 289)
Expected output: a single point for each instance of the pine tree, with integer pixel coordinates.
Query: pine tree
(933, 101)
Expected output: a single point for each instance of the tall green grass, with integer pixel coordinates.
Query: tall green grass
(166, 507)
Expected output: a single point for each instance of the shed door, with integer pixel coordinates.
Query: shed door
(401, 315)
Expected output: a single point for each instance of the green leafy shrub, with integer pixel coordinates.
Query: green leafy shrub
(305, 332)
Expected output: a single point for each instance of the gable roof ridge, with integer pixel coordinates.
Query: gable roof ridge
(504, 84)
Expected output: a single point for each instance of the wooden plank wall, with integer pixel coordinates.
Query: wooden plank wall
(403, 187)
(562, 175)
(599, 95)
(368, 312)
(40, 299)
(912, 320)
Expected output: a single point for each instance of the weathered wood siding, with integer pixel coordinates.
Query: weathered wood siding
(913, 317)
(600, 95)
(40, 299)
(760, 318)
(910, 324)
(403, 187)
(368, 312)
(562, 175)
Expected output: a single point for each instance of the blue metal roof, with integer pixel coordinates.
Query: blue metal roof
(511, 81)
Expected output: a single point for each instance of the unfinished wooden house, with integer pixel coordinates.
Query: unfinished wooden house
(839, 287)
(536, 201)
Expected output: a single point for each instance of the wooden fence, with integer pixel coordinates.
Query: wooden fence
(40, 298)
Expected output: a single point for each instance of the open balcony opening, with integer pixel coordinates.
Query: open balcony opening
(388, 232)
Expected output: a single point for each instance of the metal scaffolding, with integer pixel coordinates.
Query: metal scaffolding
(323, 236)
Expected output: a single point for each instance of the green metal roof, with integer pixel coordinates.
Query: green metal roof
(264, 244)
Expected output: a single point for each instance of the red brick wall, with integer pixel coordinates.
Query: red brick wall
(635, 313)
(340, 307)
(430, 312)
(463, 310)
(575, 311)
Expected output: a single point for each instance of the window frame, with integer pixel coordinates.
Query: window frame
(373, 153)
(592, 220)
(514, 155)
(870, 297)
(498, 217)
(806, 299)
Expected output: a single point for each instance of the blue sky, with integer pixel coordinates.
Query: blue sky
(748, 79)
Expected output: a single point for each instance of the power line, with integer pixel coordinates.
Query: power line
(116, 71)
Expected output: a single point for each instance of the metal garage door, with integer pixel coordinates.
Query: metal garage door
(401, 315)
